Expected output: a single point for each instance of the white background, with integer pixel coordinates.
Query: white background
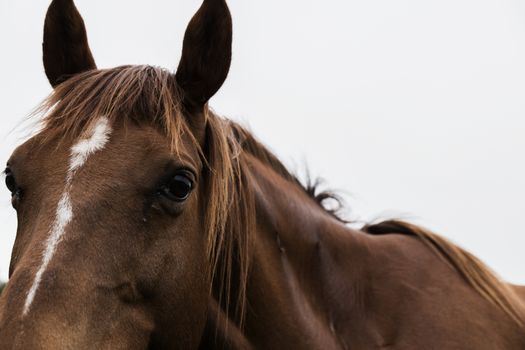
(416, 109)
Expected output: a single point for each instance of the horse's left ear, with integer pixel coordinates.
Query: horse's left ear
(206, 53)
(66, 48)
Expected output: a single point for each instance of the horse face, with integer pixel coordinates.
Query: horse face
(110, 243)
(111, 250)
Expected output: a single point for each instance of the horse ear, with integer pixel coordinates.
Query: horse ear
(66, 48)
(206, 53)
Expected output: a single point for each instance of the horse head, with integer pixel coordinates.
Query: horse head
(118, 201)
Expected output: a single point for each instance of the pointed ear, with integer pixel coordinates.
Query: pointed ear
(206, 53)
(66, 49)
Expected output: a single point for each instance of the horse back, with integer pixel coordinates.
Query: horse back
(520, 291)
(433, 305)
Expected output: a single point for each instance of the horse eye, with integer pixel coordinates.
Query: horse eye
(10, 182)
(178, 189)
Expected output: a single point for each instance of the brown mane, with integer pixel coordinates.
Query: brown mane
(144, 94)
(327, 200)
(136, 91)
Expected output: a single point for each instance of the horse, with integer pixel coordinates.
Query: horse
(148, 221)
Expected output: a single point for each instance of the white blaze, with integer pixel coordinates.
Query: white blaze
(80, 152)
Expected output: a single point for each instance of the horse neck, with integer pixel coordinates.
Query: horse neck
(303, 261)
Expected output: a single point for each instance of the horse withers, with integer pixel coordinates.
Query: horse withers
(146, 221)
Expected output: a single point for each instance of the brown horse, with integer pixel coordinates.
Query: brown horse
(146, 221)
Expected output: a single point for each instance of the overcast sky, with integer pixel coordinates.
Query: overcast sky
(414, 109)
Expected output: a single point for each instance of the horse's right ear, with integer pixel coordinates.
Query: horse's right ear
(66, 48)
(206, 53)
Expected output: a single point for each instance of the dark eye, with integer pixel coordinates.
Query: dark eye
(10, 181)
(179, 188)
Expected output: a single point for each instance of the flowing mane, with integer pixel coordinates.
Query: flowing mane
(136, 91)
(144, 95)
